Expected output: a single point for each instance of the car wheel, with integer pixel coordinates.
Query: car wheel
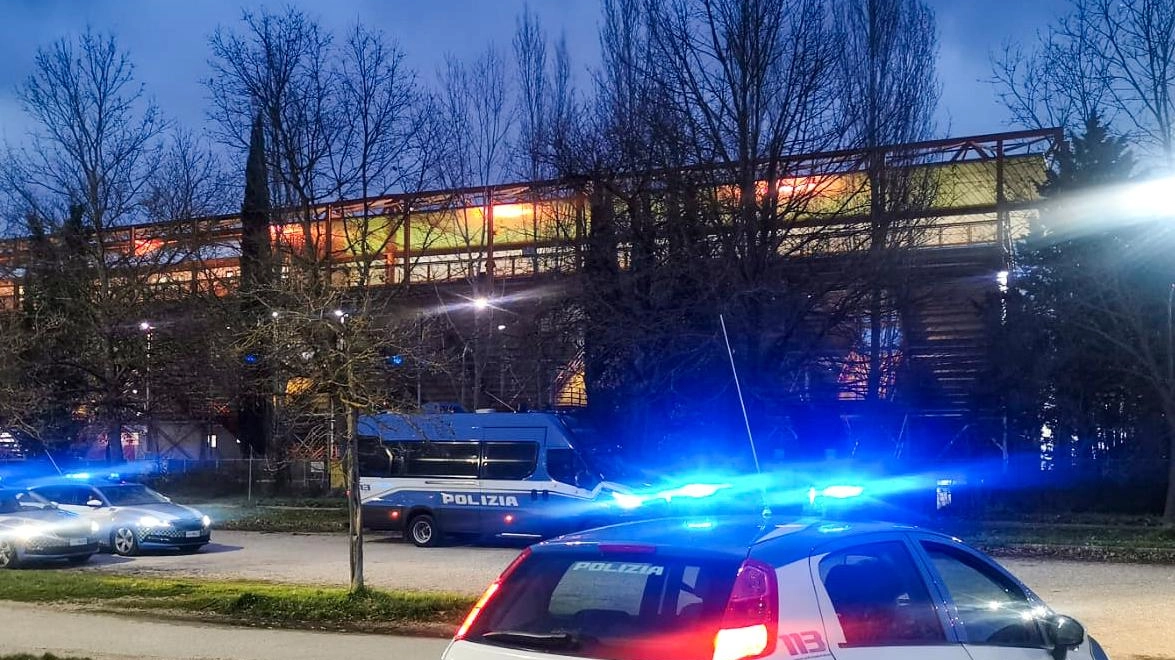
(423, 531)
(124, 541)
(78, 561)
(8, 556)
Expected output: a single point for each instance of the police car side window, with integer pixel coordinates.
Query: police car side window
(509, 460)
(992, 609)
(879, 597)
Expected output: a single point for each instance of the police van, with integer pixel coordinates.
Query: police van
(505, 475)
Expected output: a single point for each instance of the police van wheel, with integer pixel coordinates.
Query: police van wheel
(423, 531)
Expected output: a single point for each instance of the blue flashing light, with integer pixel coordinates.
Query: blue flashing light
(628, 500)
(699, 524)
(694, 491)
(78, 475)
(395, 360)
(250, 358)
(832, 529)
(842, 492)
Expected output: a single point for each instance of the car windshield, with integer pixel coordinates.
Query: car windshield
(11, 501)
(8, 502)
(131, 494)
(622, 607)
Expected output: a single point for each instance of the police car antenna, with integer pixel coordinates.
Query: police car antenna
(746, 419)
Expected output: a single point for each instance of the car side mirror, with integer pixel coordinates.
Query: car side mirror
(1064, 634)
(94, 504)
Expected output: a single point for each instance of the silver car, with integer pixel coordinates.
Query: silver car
(32, 529)
(131, 517)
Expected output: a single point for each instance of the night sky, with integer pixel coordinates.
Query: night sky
(168, 42)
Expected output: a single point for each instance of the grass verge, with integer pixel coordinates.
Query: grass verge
(242, 603)
(318, 520)
(1104, 541)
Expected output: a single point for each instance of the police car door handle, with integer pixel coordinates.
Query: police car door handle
(534, 494)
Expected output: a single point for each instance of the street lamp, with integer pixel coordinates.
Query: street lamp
(147, 328)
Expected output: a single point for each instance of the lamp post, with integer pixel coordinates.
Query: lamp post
(149, 331)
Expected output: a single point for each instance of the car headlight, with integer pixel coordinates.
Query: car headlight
(206, 521)
(94, 528)
(28, 532)
(152, 521)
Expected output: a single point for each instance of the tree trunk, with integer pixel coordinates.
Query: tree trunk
(354, 501)
(114, 452)
(1169, 507)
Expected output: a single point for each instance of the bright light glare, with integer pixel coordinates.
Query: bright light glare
(699, 524)
(94, 527)
(481, 302)
(1151, 197)
(737, 643)
(842, 492)
(696, 491)
(27, 532)
(628, 501)
(144, 326)
(207, 522)
(152, 521)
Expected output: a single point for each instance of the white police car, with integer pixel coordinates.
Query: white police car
(735, 589)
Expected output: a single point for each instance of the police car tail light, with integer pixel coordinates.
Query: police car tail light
(489, 594)
(751, 619)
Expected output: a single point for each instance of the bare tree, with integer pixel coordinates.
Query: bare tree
(189, 182)
(477, 124)
(279, 66)
(888, 96)
(335, 120)
(1110, 58)
(85, 172)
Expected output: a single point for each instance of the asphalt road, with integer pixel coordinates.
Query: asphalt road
(1128, 607)
(31, 629)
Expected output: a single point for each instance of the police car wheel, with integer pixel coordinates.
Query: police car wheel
(423, 531)
(8, 558)
(124, 541)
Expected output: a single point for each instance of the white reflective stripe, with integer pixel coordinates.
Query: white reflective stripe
(383, 486)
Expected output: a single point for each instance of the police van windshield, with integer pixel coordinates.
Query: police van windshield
(622, 607)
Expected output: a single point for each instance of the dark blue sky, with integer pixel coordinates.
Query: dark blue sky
(168, 41)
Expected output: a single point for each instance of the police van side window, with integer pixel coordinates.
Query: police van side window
(437, 459)
(509, 460)
(564, 465)
(374, 458)
(879, 597)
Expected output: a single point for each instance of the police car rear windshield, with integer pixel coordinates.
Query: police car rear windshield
(615, 607)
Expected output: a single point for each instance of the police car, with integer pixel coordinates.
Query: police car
(736, 589)
(130, 517)
(32, 529)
